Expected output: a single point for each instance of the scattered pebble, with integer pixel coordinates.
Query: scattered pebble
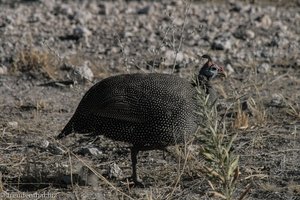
(91, 151)
(170, 57)
(104, 26)
(65, 9)
(81, 32)
(44, 144)
(3, 70)
(277, 100)
(228, 68)
(85, 72)
(110, 35)
(221, 43)
(95, 151)
(13, 124)
(115, 171)
(264, 68)
(265, 21)
(250, 34)
(143, 11)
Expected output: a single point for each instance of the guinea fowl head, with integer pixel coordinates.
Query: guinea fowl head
(210, 69)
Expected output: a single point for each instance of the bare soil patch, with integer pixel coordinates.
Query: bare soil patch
(47, 46)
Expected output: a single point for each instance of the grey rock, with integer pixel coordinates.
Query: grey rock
(3, 70)
(264, 68)
(277, 100)
(34, 18)
(91, 151)
(250, 34)
(235, 7)
(170, 56)
(265, 21)
(143, 11)
(44, 144)
(13, 124)
(115, 171)
(85, 72)
(81, 32)
(297, 63)
(65, 9)
(229, 69)
(82, 17)
(102, 9)
(221, 43)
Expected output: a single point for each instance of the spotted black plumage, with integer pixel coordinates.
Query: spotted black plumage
(149, 111)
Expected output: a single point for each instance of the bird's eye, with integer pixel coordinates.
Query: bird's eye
(213, 69)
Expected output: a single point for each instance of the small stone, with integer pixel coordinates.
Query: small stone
(265, 21)
(82, 17)
(297, 63)
(3, 70)
(34, 18)
(9, 19)
(85, 72)
(13, 124)
(250, 34)
(221, 44)
(102, 9)
(229, 69)
(239, 32)
(178, 21)
(93, 7)
(277, 100)
(81, 31)
(235, 7)
(95, 151)
(115, 171)
(266, 54)
(92, 151)
(65, 9)
(264, 68)
(115, 50)
(170, 57)
(44, 144)
(143, 11)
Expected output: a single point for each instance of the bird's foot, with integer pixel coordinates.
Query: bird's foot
(135, 182)
(139, 184)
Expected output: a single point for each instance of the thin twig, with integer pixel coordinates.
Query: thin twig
(181, 34)
(186, 152)
(246, 191)
(71, 169)
(92, 169)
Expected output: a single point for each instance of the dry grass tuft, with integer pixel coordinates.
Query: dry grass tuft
(221, 167)
(293, 110)
(241, 120)
(258, 111)
(294, 187)
(36, 63)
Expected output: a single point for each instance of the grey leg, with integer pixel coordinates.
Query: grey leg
(136, 180)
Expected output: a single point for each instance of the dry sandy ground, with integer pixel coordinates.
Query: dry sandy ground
(43, 45)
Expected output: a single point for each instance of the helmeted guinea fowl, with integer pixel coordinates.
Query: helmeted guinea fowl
(149, 111)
